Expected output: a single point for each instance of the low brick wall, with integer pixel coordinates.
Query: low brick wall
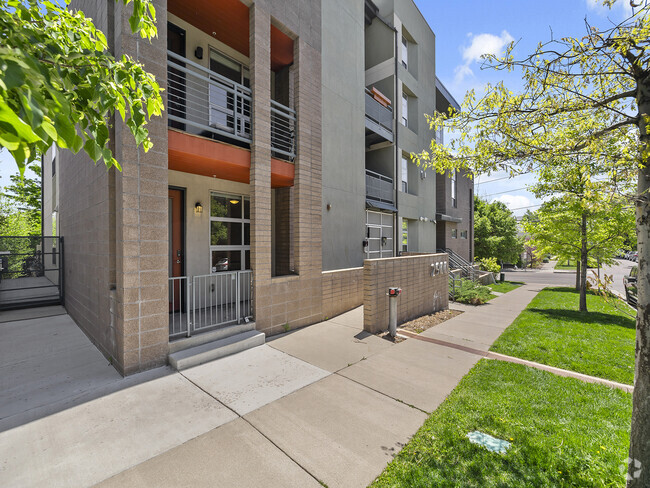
(342, 291)
(422, 293)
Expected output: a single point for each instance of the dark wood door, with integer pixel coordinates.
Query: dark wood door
(176, 250)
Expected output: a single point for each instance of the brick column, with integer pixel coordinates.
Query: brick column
(307, 226)
(141, 234)
(260, 175)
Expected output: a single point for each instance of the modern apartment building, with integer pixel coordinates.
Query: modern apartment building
(379, 81)
(282, 153)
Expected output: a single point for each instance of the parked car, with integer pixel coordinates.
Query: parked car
(629, 282)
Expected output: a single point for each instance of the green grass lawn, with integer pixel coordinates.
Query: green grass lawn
(562, 265)
(563, 433)
(506, 286)
(552, 331)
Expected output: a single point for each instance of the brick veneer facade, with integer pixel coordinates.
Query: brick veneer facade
(116, 223)
(342, 291)
(421, 294)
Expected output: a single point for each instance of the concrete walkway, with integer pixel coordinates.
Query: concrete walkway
(328, 403)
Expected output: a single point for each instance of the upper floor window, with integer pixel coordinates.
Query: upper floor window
(454, 233)
(405, 175)
(405, 235)
(454, 187)
(463, 234)
(405, 109)
(405, 52)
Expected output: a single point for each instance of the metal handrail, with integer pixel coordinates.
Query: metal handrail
(379, 187)
(377, 112)
(283, 130)
(207, 101)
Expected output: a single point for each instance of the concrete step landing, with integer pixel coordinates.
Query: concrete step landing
(220, 348)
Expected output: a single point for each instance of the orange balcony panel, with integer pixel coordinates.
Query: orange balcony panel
(201, 156)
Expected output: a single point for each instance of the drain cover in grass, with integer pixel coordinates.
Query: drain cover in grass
(487, 441)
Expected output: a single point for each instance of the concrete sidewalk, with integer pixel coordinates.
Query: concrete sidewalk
(328, 403)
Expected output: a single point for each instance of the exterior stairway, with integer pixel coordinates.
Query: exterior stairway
(202, 348)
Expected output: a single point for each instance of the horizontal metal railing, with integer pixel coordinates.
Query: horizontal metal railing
(379, 187)
(206, 101)
(283, 131)
(205, 302)
(379, 113)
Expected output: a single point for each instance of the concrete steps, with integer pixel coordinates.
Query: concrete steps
(204, 349)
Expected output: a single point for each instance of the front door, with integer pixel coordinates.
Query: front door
(176, 251)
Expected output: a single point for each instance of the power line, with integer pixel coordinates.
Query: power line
(507, 191)
(502, 178)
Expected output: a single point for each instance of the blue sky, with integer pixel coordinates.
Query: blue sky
(466, 29)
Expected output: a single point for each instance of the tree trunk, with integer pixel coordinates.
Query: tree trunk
(583, 263)
(639, 467)
(578, 275)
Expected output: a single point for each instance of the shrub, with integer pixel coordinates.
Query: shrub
(490, 265)
(468, 291)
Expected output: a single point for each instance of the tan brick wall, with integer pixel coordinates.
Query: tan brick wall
(342, 291)
(287, 302)
(421, 292)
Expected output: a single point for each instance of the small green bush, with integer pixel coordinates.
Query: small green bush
(468, 291)
(490, 265)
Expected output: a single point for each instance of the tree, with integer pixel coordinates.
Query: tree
(24, 196)
(581, 231)
(587, 97)
(495, 232)
(60, 85)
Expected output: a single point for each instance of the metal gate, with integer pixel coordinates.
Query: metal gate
(206, 302)
(31, 271)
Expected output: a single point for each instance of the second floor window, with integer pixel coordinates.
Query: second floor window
(405, 109)
(405, 175)
(405, 52)
(454, 201)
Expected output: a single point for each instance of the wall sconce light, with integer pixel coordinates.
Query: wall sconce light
(384, 241)
(198, 208)
(198, 52)
(234, 201)
(329, 207)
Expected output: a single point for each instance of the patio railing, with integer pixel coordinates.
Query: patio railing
(207, 302)
(31, 271)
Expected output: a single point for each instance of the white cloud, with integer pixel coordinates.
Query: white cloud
(623, 7)
(514, 201)
(479, 45)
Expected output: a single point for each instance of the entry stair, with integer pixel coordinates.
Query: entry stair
(208, 346)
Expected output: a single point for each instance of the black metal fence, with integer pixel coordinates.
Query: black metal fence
(31, 271)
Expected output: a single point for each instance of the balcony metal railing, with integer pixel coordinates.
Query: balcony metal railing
(378, 113)
(379, 187)
(283, 131)
(205, 302)
(205, 103)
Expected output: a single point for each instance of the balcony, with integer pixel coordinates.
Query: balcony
(379, 119)
(379, 191)
(204, 103)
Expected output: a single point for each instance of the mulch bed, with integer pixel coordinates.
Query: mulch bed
(421, 324)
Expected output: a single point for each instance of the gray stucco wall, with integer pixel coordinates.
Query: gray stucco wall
(343, 85)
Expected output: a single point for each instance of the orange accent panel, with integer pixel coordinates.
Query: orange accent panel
(201, 156)
(228, 20)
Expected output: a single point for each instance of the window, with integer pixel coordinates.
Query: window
(454, 233)
(405, 109)
(405, 52)
(454, 202)
(53, 160)
(405, 235)
(405, 175)
(230, 230)
(463, 234)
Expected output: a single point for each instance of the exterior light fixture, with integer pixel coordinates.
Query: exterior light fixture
(198, 208)
(234, 201)
(198, 52)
